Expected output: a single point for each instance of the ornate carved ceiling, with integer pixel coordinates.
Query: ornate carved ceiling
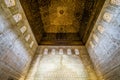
(51, 17)
(60, 15)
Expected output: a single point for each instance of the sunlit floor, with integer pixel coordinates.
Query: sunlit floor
(61, 67)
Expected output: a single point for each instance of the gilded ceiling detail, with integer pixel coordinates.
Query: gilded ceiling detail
(60, 16)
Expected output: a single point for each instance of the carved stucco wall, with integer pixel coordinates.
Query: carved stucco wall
(17, 43)
(104, 42)
(57, 62)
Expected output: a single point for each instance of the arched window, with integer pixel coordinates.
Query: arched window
(69, 52)
(53, 51)
(77, 52)
(45, 51)
(61, 51)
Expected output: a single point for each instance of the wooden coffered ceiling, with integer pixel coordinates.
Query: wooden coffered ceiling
(62, 20)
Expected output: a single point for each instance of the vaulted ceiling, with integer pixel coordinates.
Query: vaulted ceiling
(62, 20)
